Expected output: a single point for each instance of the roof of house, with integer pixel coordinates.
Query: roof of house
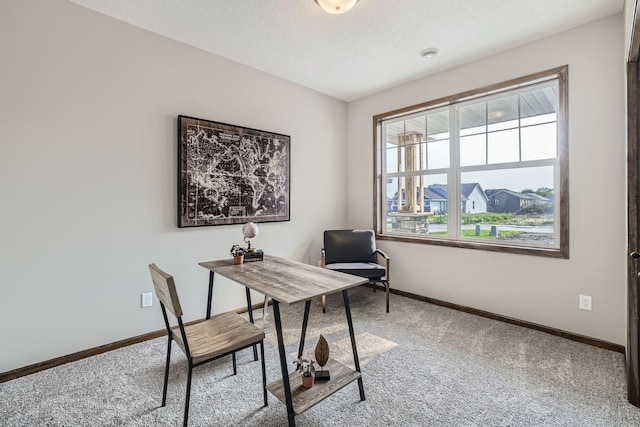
(526, 196)
(440, 190)
(538, 197)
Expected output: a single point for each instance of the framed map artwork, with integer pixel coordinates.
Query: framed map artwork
(230, 174)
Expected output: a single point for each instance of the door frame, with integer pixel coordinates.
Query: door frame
(633, 212)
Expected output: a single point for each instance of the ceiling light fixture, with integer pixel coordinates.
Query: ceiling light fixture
(496, 114)
(429, 53)
(336, 6)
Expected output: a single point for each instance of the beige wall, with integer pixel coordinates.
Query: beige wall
(88, 109)
(629, 17)
(535, 289)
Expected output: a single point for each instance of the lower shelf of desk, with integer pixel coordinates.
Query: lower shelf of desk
(305, 398)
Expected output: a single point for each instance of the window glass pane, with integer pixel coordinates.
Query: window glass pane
(416, 125)
(540, 101)
(515, 206)
(539, 142)
(391, 194)
(418, 211)
(503, 146)
(391, 131)
(473, 150)
(438, 125)
(438, 139)
(391, 159)
(509, 124)
(502, 113)
(473, 118)
(536, 120)
(438, 154)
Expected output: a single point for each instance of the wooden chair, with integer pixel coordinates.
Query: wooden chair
(354, 252)
(204, 341)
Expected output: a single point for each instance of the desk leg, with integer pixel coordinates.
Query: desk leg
(283, 364)
(353, 341)
(305, 321)
(208, 314)
(250, 310)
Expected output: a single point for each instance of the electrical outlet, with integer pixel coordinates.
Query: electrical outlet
(585, 302)
(147, 299)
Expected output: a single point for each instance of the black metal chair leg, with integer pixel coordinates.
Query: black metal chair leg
(283, 364)
(305, 322)
(186, 402)
(166, 373)
(356, 362)
(210, 296)
(264, 374)
(233, 358)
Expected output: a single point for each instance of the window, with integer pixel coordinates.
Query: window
(487, 169)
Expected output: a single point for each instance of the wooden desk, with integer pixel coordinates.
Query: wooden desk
(289, 282)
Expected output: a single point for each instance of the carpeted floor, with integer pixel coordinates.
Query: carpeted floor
(422, 365)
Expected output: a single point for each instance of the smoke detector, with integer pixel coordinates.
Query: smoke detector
(429, 53)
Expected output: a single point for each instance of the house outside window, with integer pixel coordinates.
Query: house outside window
(497, 156)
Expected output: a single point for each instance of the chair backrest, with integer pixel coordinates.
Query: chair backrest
(349, 246)
(165, 290)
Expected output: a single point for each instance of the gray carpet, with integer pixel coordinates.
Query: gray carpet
(423, 365)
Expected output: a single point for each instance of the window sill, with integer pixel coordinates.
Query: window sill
(562, 252)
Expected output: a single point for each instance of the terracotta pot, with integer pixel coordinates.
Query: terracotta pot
(307, 382)
(238, 259)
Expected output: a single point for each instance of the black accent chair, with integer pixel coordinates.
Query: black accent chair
(205, 341)
(354, 252)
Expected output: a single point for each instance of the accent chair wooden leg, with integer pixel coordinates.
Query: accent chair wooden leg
(388, 288)
(324, 303)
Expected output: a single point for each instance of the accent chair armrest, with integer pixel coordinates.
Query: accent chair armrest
(388, 273)
(381, 253)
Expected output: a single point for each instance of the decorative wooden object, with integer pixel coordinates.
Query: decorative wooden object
(322, 357)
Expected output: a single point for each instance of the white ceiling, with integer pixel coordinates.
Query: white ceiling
(373, 47)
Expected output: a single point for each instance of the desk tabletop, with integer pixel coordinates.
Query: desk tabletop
(283, 280)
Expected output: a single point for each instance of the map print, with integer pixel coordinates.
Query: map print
(230, 174)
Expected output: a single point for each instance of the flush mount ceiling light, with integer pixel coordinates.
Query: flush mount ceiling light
(336, 6)
(429, 53)
(496, 114)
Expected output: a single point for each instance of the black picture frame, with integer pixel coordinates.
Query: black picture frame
(230, 174)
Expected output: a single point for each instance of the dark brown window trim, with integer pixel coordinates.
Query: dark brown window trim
(563, 164)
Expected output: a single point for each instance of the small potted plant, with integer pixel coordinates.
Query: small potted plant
(237, 252)
(305, 366)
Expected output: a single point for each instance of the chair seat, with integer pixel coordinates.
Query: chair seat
(221, 334)
(368, 270)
